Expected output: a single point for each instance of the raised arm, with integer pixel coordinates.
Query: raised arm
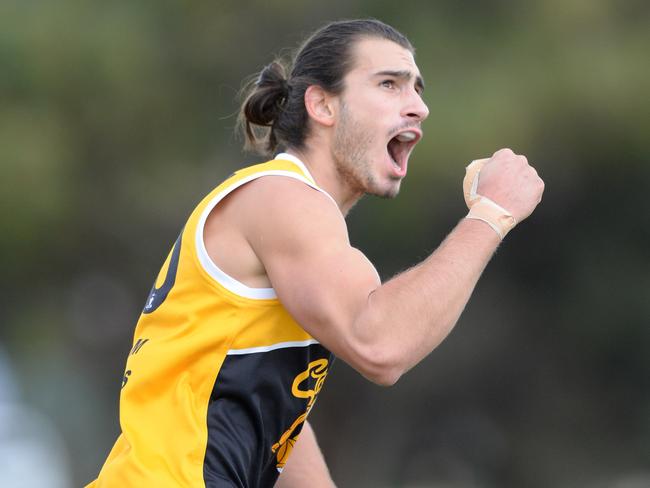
(334, 292)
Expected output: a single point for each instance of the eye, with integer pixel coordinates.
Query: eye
(388, 84)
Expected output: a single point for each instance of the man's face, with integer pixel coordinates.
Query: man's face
(380, 112)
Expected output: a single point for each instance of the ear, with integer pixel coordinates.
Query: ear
(320, 105)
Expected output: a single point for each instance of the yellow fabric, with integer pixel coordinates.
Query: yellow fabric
(178, 351)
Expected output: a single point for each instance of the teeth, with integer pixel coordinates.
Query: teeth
(406, 136)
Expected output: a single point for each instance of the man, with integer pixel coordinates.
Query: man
(262, 287)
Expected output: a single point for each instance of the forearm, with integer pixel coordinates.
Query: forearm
(306, 465)
(408, 316)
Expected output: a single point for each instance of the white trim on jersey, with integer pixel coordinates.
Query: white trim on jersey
(272, 347)
(290, 157)
(210, 266)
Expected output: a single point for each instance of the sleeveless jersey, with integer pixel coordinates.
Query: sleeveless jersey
(220, 378)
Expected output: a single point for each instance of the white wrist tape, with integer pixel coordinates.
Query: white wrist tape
(482, 208)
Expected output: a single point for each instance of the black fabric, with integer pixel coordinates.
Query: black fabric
(252, 406)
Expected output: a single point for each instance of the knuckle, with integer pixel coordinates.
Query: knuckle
(506, 151)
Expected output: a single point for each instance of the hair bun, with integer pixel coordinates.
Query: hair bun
(273, 76)
(268, 96)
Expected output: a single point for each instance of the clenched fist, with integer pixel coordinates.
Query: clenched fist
(508, 180)
(502, 190)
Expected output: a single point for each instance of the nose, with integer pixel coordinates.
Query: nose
(415, 108)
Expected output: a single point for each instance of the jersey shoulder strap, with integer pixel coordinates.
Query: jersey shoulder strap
(283, 165)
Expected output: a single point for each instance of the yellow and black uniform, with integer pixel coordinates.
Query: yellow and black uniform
(220, 378)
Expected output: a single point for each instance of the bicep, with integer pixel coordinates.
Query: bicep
(324, 285)
(322, 281)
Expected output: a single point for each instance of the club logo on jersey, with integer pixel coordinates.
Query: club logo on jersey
(316, 373)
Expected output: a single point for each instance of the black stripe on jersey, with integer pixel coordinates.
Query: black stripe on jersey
(259, 399)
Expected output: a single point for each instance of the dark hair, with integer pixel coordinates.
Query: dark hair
(273, 113)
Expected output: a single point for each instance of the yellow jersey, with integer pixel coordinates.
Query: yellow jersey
(220, 378)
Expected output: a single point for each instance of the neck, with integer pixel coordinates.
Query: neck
(321, 165)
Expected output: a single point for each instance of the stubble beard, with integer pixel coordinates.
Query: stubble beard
(351, 154)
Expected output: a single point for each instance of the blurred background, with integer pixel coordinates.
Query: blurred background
(117, 117)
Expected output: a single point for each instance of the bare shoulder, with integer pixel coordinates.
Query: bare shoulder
(277, 208)
(266, 218)
(272, 219)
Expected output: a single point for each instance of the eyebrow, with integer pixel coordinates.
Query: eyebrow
(405, 74)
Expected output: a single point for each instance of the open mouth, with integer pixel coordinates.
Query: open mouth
(399, 148)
